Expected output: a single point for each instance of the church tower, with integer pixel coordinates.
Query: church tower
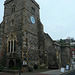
(20, 37)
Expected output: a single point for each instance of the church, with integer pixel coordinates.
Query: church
(23, 41)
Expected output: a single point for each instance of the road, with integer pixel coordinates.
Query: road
(71, 73)
(50, 72)
(6, 74)
(24, 74)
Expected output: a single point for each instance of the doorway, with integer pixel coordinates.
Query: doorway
(11, 64)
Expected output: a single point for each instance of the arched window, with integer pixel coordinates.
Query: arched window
(11, 47)
(15, 45)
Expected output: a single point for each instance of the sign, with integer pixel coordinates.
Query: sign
(25, 62)
(67, 67)
(62, 69)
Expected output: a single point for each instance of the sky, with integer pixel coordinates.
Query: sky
(57, 17)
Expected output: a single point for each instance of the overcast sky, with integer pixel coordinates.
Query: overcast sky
(57, 16)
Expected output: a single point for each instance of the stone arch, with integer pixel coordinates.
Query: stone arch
(11, 36)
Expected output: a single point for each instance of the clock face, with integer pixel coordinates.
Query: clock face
(32, 19)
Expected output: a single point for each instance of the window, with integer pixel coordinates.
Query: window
(12, 46)
(9, 46)
(11, 43)
(15, 45)
(13, 8)
(32, 10)
(12, 21)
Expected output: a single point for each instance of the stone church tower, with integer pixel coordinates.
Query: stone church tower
(23, 42)
(21, 34)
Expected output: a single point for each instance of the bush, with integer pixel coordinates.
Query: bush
(30, 68)
(15, 68)
(35, 66)
(1, 69)
(43, 66)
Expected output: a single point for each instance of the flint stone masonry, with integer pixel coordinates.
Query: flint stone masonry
(65, 55)
(18, 27)
(24, 43)
(1, 34)
(51, 52)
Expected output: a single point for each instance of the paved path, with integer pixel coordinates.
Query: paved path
(55, 72)
(51, 72)
(69, 73)
(72, 73)
(37, 74)
(44, 74)
(24, 74)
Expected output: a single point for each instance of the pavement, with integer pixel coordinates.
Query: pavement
(54, 72)
(51, 72)
(70, 73)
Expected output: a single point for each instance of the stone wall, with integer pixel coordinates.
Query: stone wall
(41, 43)
(0, 44)
(50, 50)
(1, 34)
(65, 55)
(18, 26)
(53, 52)
(58, 53)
